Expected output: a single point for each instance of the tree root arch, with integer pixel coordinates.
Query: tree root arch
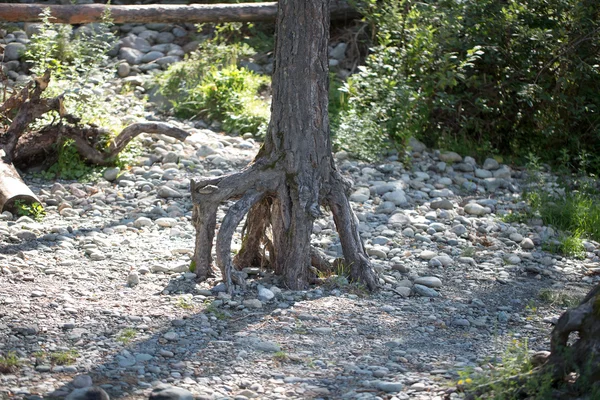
(264, 196)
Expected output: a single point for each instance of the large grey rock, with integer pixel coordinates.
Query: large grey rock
(132, 56)
(397, 197)
(165, 37)
(360, 195)
(82, 381)
(450, 157)
(163, 392)
(388, 387)
(425, 291)
(476, 209)
(442, 205)
(429, 281)
(165, 191)
(90, 393)
(136, 43)
(416, 145)
(490, 164)
(13, 51)
(339, 51)
(151, 56)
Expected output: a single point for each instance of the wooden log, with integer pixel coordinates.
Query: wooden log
(193, 13)
(12, 187)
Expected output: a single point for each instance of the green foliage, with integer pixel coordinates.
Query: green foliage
(209, 84)
(126, 336)
(184, 303)
(9, 362)
(508, 77)
(212, 308)
(559, 297)
(63, 357)
(34, 210)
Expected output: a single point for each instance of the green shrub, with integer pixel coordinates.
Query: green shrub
(209, 84)
(511, 77)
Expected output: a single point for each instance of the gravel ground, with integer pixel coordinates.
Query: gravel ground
(99, 292)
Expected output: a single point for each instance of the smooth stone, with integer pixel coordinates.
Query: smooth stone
(425, 291)
(252, 303)
(483, 173)
(398, 220)
(450, 157)
(461, 322)
(458, 230)
(416, 146)
(360, 195)
(427, 254)
(403, 291)
(90, 393)
(397, 197)
(527, 244)
(265, 294)
(13, 51)
(166, 222)
(491, 164)
(476, 209)
(388, 387)
(266, 346)
(165, 192)
(441, 205)
(82, 381)
(110, 174)
(142, 222)
(429, 281)
(164, 392)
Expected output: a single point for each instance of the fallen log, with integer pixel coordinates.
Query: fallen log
(20, 147)
(169, 13)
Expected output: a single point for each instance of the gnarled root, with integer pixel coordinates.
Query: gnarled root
(274, 217)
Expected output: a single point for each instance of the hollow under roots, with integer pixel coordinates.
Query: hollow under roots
(277, 228)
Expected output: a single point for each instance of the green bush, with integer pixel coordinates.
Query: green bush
(511, 77)
(209, 84)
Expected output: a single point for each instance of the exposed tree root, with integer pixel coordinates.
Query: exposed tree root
(578, 358)
(258, 189)
(20, 147)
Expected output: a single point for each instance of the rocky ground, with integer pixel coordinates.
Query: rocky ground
(99, 292)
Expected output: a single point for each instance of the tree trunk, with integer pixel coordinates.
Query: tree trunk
(196, 13)
(294, 173)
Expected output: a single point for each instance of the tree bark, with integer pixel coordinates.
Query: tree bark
(195, 13)
(294, 173)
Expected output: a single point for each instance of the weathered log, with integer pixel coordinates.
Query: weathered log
(193, 13)
(12, 187)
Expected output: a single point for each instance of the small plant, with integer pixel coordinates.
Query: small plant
(468, 252)
(211, 308)
(34, 210)
(559, 297)
(280, 356)
(9, 362)
(63, 357)
(209, 84)
(126, 336)
(185, 303)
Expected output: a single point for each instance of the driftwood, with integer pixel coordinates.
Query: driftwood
(20, 147)
(194, 13)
